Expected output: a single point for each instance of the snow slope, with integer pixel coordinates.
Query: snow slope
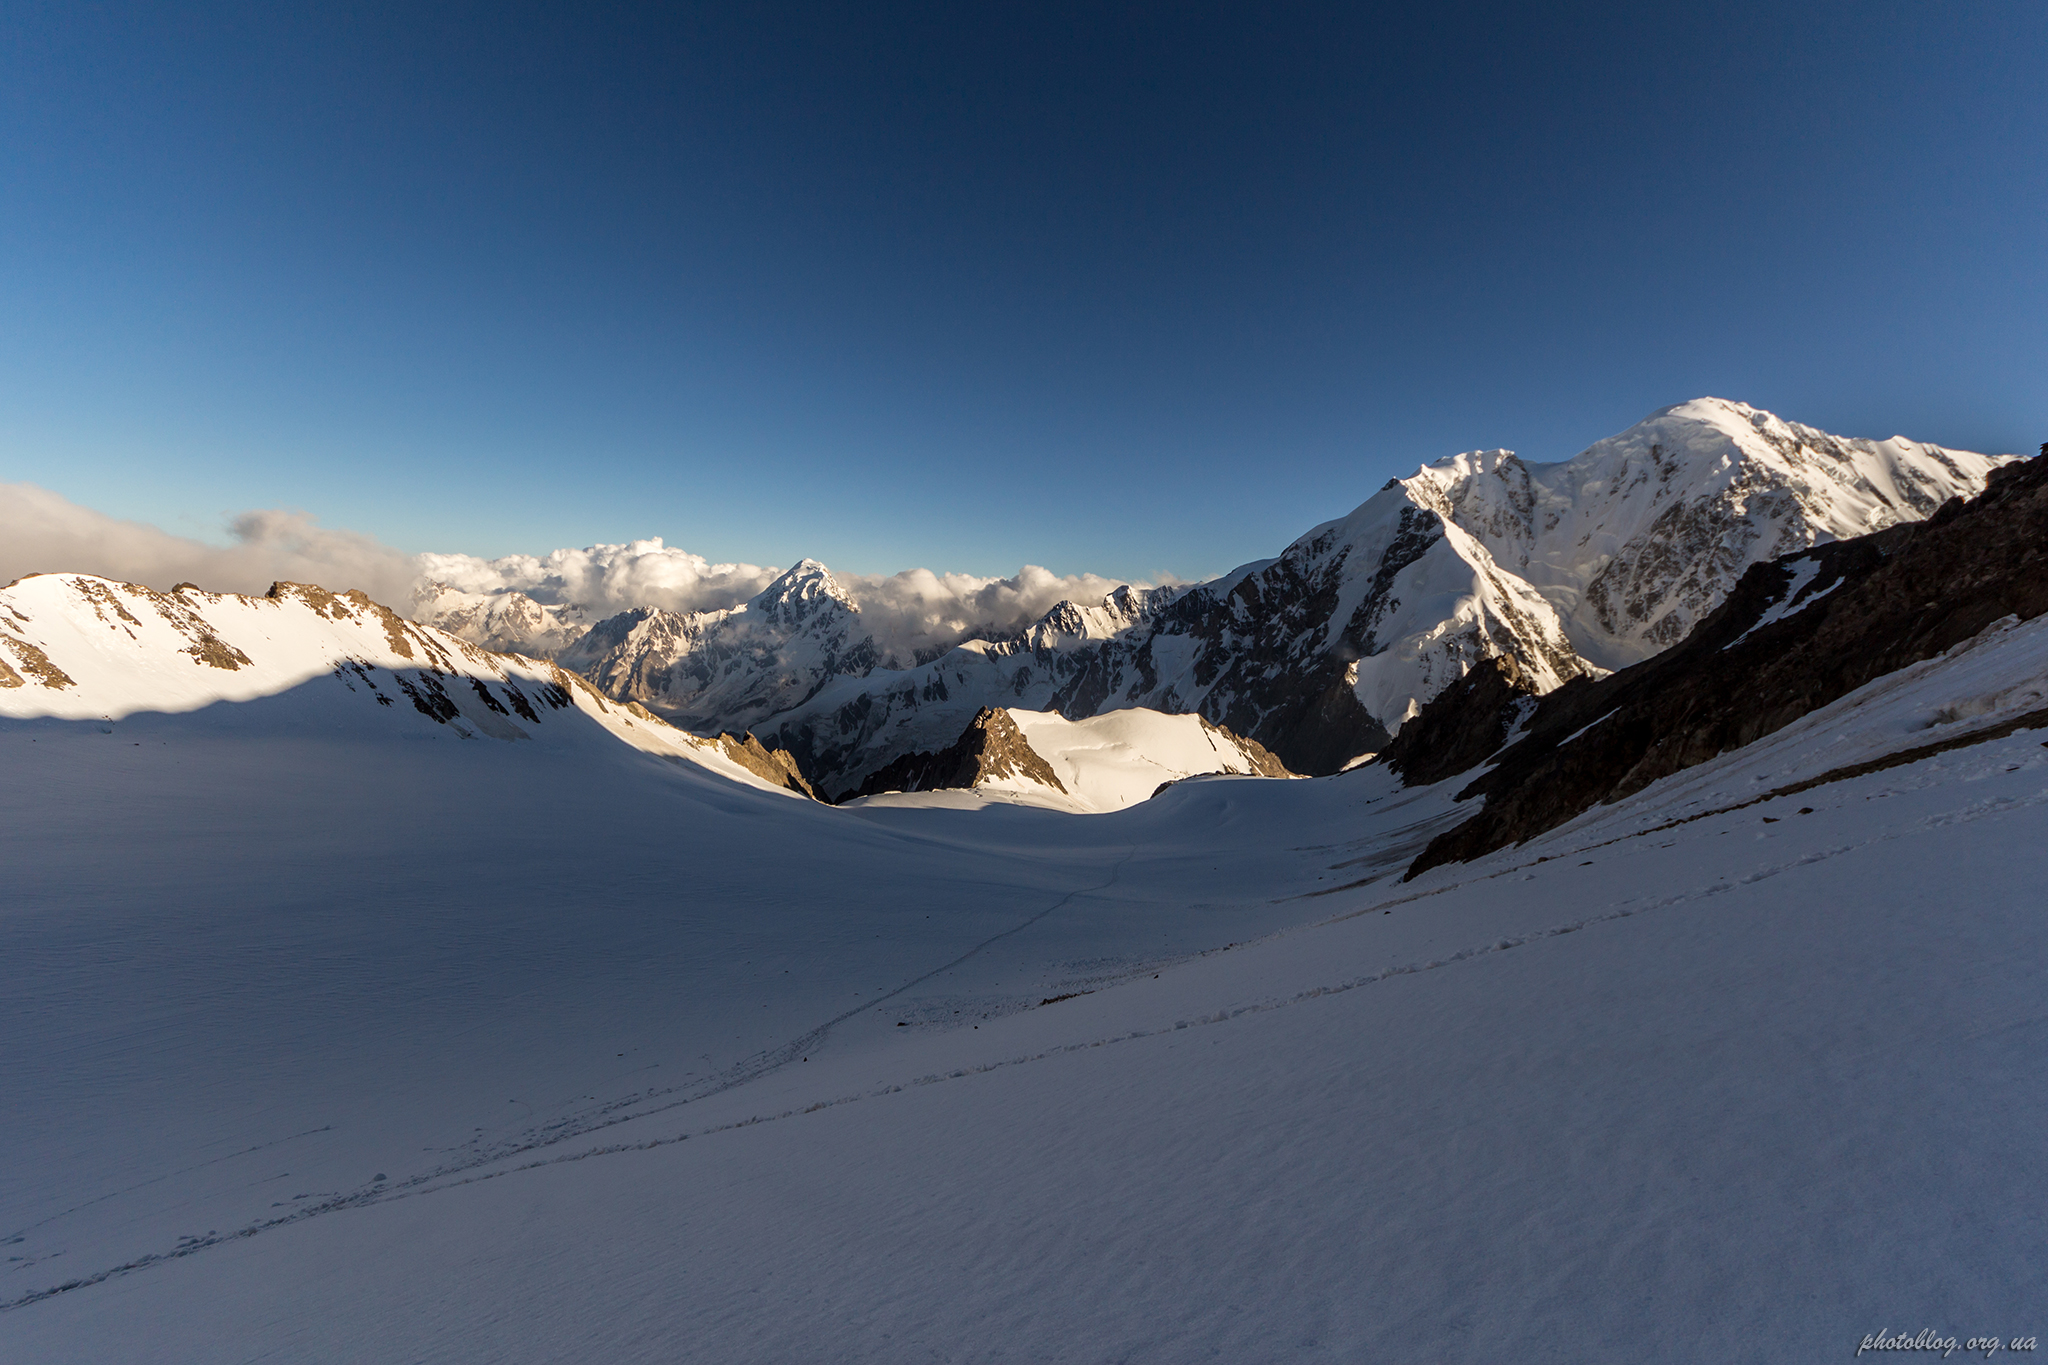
(1104, 763)
(1121, 758)
(370, 1048)
(87, 648)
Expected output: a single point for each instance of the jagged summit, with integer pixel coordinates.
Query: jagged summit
(1637, 537)
(801, 590)
(725, 670)
(1571, 568)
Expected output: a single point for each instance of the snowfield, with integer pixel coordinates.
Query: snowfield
(331, 1032)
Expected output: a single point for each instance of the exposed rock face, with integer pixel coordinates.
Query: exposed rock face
(757, 758)
(1259, 760)
(1324, 652)
(727, 670)
(1795, 635)
(992, 748)
(1467, 723)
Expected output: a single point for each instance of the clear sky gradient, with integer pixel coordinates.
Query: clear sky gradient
(1122, 289)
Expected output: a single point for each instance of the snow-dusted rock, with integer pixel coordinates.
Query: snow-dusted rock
(1102, 763)
(727, 670)
(508, 622)
(1571, 569)
(77, 647)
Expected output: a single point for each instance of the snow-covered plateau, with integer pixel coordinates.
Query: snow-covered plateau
(371, 996)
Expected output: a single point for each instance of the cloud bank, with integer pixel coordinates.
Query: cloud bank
(41, 532)
(914, 613)
(605, 579)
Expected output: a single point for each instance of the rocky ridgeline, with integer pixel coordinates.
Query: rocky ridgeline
(1795, 634)
(1323, 653)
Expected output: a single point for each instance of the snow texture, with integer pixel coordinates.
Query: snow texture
(325, 1042)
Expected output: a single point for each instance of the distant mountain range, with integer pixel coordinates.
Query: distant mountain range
(1320, 654)
(1303, 663)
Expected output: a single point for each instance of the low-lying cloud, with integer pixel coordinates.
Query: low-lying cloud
(910, 613)
(919, 611)
(605, 579)
(41, 532)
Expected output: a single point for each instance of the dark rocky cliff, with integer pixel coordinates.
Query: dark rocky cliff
(1796, 633)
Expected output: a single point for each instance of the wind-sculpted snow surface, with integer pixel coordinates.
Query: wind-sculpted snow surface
(327, 1043)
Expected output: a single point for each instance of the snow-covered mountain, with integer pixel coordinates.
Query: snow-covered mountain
(506, 622)
(728, 670)
(1637, 537)
(351, 1038)
(77, 647)
(1570, 568)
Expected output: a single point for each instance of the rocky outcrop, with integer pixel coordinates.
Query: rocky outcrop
(1259, 760)
(757, 758)
(993, 748)
(1794, 635)
(1467, 723)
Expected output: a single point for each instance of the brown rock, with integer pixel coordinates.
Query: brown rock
(992, 747)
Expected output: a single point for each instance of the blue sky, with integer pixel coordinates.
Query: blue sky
(1128, 290)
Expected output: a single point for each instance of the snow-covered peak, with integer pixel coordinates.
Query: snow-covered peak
(1070, 625)
(806, 587)
(1638, 536)
(79, 647)
(726, 670)
(503, 621)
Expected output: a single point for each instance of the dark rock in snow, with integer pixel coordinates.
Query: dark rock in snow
(1795, 634)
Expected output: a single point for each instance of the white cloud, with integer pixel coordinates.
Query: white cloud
(920, 610)
(41, 532)
(910, 612)
(606, 579)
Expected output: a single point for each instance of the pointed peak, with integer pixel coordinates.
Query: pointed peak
(802, 584)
